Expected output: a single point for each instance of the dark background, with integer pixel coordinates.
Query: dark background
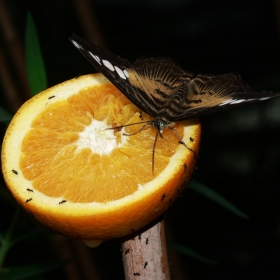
(240, 153)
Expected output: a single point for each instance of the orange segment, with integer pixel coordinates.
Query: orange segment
(87, 181)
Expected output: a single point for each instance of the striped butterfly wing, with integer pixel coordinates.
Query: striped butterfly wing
(208, 94)
(164, 90)
(157, 80)
(147, 82)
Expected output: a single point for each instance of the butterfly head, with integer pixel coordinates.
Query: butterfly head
(160, 123)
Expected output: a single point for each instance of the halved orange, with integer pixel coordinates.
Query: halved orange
(86, 182)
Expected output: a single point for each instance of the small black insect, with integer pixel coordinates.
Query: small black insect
(163, 196)
(14, 171)
(53, 96)
(191, 139)
(136, 274)
(145, 265)
(62, 201)
(147, 241)
(29, 190)
(139, 237)
(27, 200)
(127, 251)
(170, 268)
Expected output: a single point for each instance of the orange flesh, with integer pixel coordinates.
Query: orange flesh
(53, 162)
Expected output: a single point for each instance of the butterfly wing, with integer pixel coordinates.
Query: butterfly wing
(147, 82)
(162, 89)
(208, 94)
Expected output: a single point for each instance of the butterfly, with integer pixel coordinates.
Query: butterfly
(164, 90)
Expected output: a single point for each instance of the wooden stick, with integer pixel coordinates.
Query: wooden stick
(144, 253)
(15, 48)
(8, 84)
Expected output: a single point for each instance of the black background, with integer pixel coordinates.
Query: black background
(240, 154)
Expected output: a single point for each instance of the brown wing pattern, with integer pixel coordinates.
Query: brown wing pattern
(156, 80)
(206, 93)
(147, 83)
(164, 90)
(107, 63)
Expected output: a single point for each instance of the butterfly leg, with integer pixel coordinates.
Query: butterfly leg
(153, 151)
(118, 128)
(129, 134)
(181, 141)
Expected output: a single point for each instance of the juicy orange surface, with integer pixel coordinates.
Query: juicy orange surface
(56, 164)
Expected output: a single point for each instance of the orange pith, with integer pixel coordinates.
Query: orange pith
(66, 153)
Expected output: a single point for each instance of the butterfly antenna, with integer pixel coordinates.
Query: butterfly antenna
(181, 141)
(121, 126)
(129, 134)
(153, 151)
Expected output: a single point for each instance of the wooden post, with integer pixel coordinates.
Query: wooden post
(144, 253)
